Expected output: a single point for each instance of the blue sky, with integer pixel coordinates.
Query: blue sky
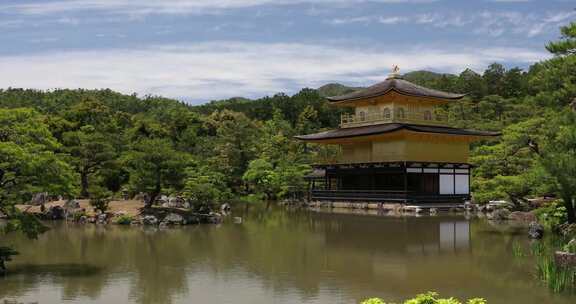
(199, 50)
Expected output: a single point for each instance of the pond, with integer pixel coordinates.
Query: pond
(276, 255)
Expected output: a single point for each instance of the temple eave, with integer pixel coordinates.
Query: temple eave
(369, 132)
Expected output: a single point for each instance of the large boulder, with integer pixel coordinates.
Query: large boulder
(55, 213)
(174, 219)
(175, 202)
(535, 230)
(102, 218)
(225, 208)
(150, 220)
(162, 200)
(565, 259)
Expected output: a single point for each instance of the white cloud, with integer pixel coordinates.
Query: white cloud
(216, 70)
(139, 7)
(392, 20)
(491, 23)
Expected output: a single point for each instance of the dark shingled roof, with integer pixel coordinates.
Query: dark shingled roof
(391, 127)
(399, 85)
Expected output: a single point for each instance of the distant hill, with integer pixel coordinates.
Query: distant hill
(255, 107)
(335, 89)
(426, 78)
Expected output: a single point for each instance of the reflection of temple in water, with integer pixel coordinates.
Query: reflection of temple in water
(396, 235)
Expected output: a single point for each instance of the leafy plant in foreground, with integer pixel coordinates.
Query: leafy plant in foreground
(428, 298)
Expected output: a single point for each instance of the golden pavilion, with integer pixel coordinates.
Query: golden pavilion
(395, 147)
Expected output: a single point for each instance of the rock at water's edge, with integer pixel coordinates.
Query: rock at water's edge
(565, 259)
(535, 230)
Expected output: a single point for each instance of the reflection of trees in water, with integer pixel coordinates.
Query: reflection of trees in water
(282, 250)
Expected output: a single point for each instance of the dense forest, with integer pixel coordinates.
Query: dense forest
(99, 143)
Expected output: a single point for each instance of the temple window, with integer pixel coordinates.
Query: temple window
(386, 113)
(400, 114)
(362, 116)
(427, 115)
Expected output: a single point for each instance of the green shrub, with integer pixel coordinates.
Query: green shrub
(557, 278)
(552, 214)
(373, 301)
(428, 298)
(570, 247)
(77, 215)
(124, 220)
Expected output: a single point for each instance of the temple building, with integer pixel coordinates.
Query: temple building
(395, 147)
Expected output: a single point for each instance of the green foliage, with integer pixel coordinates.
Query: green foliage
(570, 246)
(517, 250)
(373, 301)
(154, 165)
(100, 198)
(90, 151)
(552, 214)
(556, 277)
(567, 45)
(124, 220)
(205, 186)
(26, 223)
(428, 298)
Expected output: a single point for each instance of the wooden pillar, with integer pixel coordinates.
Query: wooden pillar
(405, 169)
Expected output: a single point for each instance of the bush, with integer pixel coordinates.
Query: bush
(99, 199)
(428, 298)
(124, 220)
(570, 247)
(373, 301)
(552, 214)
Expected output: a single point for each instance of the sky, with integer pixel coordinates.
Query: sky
(202, 50)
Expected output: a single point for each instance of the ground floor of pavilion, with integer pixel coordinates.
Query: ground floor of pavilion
(405, 182)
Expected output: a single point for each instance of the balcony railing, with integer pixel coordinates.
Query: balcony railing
(371, 118)
(382, 196)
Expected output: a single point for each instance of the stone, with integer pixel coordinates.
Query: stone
(2, 215)
(565, 259)
(163, 199)
(567, 230)
(535, 230)
(176, 202)
(237, 220)
(55, 213)
(102, 218)
(174, 219)
(150, 220)
(225, 208)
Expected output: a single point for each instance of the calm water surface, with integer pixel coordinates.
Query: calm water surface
(276, 256)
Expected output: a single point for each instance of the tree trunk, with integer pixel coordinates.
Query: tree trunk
(84, 184)
(157, 189)
(2, 267)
